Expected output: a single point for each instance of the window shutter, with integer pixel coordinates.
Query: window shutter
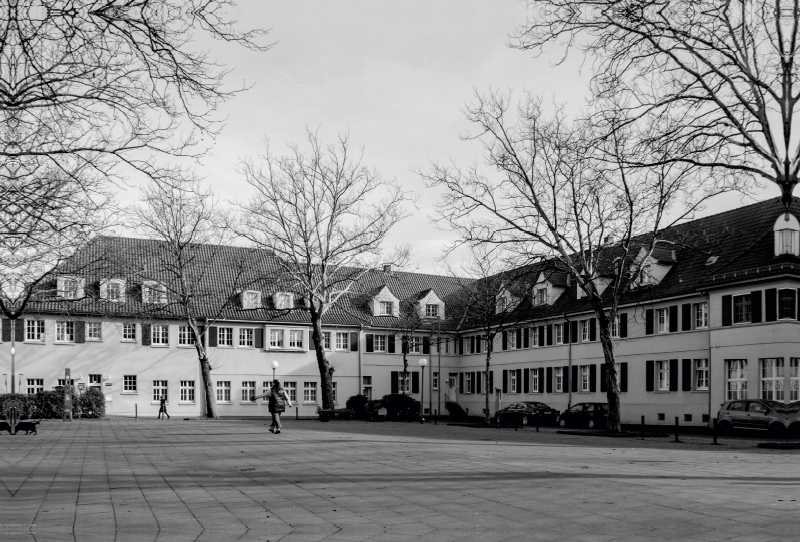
(686, 374)
(19, 330)
(541, 336)
(623, 324)
(592, 329)
(415, 382)
(354, 341)
(648, 323)
(259, 337)
(80, 331)
(505, 340)
(727, 310)
(565, 373)
(623, 376)
(673, 318)
(573, 331)
(651, 375)
(673, 375)
(478, 381)
(686, 317)
(146, 334)
(395, 382)
(526, 381)
(202, 331)
(574, 378)
(478, 344)
(461, 346)
(755, 307)
(6, 330)
(461, 383)
(519, 378)
(526, 337)
(770, 304)
(212, 337)
(565, 327)
(472, 344)
(549, 381)
(518, 343)
(541, 378)
(603, 377)
(370, 343)
(549, 334)
(491, 381)
(798, 304)
(390, 344)
(505, 380)
(593, 377)
(473, 384)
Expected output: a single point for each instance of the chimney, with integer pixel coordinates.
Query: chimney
(387, 268)
(608, 239)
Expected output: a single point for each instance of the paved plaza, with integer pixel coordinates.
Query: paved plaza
(178, 480)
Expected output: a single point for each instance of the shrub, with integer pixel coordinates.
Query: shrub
(455, 411)
(49, 404)
(92, 403)
(401, 407)
(358, 404)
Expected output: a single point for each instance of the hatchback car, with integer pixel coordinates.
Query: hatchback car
(754, 414)
(591, 415)
(526, 413)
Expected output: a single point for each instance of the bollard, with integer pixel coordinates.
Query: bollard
(642, 426)
(537, 424)
(296, 413)
(136, 411)
(677, 428)
(435, 416)
(714, 432)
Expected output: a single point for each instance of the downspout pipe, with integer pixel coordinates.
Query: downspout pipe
(360, 385)
(708, 300)
(569, 354)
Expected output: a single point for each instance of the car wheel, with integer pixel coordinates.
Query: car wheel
(725, 426)
(794, 429)
(562, 423)
(777, 429)
(591, 424)
(524, 420)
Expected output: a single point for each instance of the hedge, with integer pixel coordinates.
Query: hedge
(90, 403)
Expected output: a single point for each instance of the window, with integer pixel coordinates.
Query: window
(380, 343)
(35, 385)
(187, 391)
(94, 331)
(276, 338)
(415, 345)
(159, 389)
(335, 399)
(159, 334)
(405, 382)
(296, 338)
(535, 381)
(502, 304)
(65, 332)
(700, 315)
(63, 382)
(584, 378)
(251, 299)
(772, 379)
(701, 374)
(736, 379)
(34, 330)
(114, 291)
(434, 380)
(225, 336)
(662, 371)
(447, 346)
(661, 321)
(309, 392)
(70, 288)
(128, 332)
(153, 292)
(541, 296)
(95, 381)
(386, 308)
(223, 391)
(558, 373)
(615, 327)
(794, 379)
(786, 304)
(534, 337)
(512, 339)
(559, 333)
(326, 340)
(741, 308)
(366, 383)
(432, 310)
(787, 241)
(185, 336)
(291, 390)
(248, 391)
(342, 341)
(129, 384)
(584, 330)
(246, 337)
(468, 383)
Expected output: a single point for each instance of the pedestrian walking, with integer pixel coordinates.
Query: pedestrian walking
(278, 399)
(163, 409)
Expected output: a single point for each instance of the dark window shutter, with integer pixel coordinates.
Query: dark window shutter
(651, 375)
(505, 380)
(491, 381)
(259, 333)
(770, 304)
(460, 382)
(727, 310)
(415, 382)
(686, 317)
(212, 337)
(686, 374)
(573, 331)
(549, 381)
(755, 307)
(426, 345)
(565, 327)
(673, 375)
(404, 344)
(541, 378)
(593, 377)
(80, 331)
(395, 382)
(623, 324)
(19, 330)
(603, 376)
(565, 375)
(526, 337)
(526, 381)
(574, 378)
(461, 346)
(519, 380)
(390, 345)
(541, 335)
(6, 330)
(648, 322)
(472, 344)
(592, 329)
(549, 334)
(370, 343)
(259, 337)
(673, 318)
(146, 334)
(623, 376)
(474, 384)
(505, 340)
(518, 343)
(478, 382)
(478, 345)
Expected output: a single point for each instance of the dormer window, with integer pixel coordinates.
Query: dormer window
(251, 299)
(70, 287)
(787, 241)
(386, 308)
(113, 290)
(153, 292)
(283, 300)
(502, 304)
(787, 235)
(541, 296)
(432, 310)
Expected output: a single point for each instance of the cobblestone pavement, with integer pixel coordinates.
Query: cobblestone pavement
(348, 481)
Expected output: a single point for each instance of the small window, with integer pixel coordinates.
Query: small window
(559, 333)
(225, 336)
(159, 334)
(70, 287)
(129, 384)
(558, 373)
(432, 310)
(128, 331)
(701, 374)
(335, 395)
(787, 303)
(468, 382)
(741, 309)
(615, 327)
(65, 332)
(700, 315)
(153, 292)
(326, 340)
(534, 337)
(415, 345)
(585, 378)
(276, 338)
(291, 390)
(386, 308)
(95, 381)
(114, 291)
(187, 391)
(687, 417)
(248, 391)
(434, 380)
(787, 241)
(251, 299)
(380, 343)
(160, 390)
(535, 381)
(223, 391)
(246, 338)
(35, 385)
(662, 325)
(185, 336)
(736, 379)
(34, 330)
(584, 330)
(541, 296)
(662, 368)
(342, 341)
(309, 392)
(296, 338)
(94, 331)
(284, 300)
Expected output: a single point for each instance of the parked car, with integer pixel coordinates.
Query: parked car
(375, 411)
(756, 414)
(526, 413)
(591, 415)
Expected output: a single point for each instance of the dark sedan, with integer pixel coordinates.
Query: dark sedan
(526, 413)
(591, 415)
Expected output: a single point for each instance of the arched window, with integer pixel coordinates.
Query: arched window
(787, 235)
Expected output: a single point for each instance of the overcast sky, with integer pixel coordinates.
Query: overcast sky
(395, 74)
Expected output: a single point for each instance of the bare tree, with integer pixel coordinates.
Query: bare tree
(555, 192)
(718, 79)
(324, 215)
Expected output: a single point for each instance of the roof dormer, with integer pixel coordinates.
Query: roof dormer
(283, 300)
(430, 305)
(545, 292)
(154, 292)
(787, 235)
(70, 287)
(385, 303)
(250, 299)
(654, 268)
(113, 290)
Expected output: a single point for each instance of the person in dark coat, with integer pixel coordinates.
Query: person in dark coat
(278, 399)
(163, 409)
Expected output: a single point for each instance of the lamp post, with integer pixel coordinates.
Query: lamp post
(422, 363)
(274, 366)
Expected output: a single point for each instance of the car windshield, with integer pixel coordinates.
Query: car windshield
(578, 408)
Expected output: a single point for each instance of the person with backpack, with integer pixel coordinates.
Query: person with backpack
(278, 398)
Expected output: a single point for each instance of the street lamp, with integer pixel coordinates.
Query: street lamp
(422, 363)
(274, 366)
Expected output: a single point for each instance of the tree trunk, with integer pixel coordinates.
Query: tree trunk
(487, 417)
(612, 383)
(205, 371)
(325, 370)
